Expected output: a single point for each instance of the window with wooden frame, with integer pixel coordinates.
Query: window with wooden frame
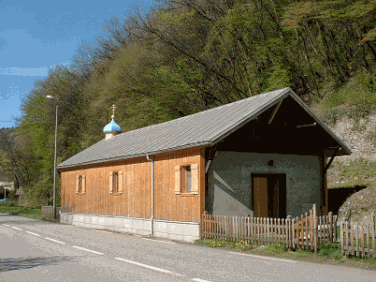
(81, 184)
(186, 179)
(116, 182)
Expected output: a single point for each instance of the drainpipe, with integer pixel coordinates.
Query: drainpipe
(152, 194)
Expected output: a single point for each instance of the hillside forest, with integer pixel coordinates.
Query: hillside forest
(185, 56)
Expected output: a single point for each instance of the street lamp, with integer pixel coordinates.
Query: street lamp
(54, 194)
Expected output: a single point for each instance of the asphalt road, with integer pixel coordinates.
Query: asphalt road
(33, 250)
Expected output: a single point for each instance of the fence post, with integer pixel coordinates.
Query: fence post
(203, 225)
(373, 241)
(335, 223)
(330, 227)
(351, 238)
(362, 239)
(357, 239)
(315, 228)
(342, 237)
(289, 232)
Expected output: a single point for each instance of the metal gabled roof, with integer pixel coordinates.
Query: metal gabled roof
(205, 128)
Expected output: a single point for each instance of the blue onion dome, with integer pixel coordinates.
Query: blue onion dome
(112, 127)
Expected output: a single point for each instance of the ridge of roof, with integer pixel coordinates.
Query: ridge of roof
(284, 90)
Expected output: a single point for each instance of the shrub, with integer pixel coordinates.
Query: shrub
(14, 212)
(10, 203)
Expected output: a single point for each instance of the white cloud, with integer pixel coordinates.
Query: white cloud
(43, 71)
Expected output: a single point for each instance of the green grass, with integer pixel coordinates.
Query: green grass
(330, 251)
(327, 252)
(356, 173)
(32, 212)
(231, 245)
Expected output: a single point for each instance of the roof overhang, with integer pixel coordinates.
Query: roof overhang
(120, 158)
(343, 149)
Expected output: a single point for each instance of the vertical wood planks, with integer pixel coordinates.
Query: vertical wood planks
(135, 179)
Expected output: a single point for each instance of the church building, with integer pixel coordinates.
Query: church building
(263, 156)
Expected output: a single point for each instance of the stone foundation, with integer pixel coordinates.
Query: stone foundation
(182, 231)
(48, 212)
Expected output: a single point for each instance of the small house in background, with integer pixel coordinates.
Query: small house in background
(264, 156)
(5, 188)
(7, 185)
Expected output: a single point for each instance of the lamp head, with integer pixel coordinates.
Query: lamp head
(50, 97)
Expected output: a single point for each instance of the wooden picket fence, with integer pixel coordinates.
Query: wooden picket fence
(359, 239)
(295, 233)
(327, 228)
(250, 229)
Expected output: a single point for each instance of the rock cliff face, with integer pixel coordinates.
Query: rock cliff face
(358, 136)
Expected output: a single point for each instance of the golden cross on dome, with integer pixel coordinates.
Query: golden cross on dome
(113, 107)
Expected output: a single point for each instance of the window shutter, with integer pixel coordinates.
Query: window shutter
(77, 184)
(121, 181)
(83, 183)
(111, 181)
(194, 177)
(177, 179)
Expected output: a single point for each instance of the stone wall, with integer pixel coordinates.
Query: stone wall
(356, 136)
(229, 190)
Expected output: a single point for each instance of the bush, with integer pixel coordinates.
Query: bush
(14, 212)
(10, 203)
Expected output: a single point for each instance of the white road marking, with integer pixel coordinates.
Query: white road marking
(32, 233)
(7, 225)
(87, 250)
(16, 228)
(172, 243)
(53, 240)
(199, 280)
(146, 266)
(262, 257)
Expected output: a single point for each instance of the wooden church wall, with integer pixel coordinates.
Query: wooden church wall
(135, 199)
(178, 207)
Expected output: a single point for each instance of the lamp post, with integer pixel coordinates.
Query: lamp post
(54, 193)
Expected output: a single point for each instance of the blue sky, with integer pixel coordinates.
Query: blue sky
(36, 35)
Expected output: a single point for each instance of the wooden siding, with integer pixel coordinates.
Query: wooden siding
(135, 201)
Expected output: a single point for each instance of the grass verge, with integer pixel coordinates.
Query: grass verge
(328, 253)
(32, 212)
(360, 172)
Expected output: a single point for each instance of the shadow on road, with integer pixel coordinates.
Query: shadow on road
(10, 264)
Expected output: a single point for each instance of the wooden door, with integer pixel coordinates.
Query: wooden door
(260, 197)
(269, 195)
(273, 197)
